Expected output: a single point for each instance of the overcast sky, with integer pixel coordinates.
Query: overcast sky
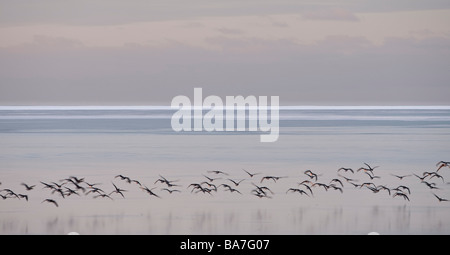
(109, 52)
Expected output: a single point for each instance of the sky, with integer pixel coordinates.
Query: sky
(110, 52)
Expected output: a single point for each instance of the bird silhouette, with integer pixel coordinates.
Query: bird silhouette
(274, 178)
(401, 176)
(217, 172)
(346, 169)
(103, 196)
(440, 199)
(171, 190)
(236, 183)
(117, 190)
(442, 164)
(300, 191)
(48, 200)
(250, 174)
(212, 179)
(28, 187)
(149, 191)
(401, 195)
(310, 174)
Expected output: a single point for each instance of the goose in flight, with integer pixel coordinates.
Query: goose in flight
(401, 176)
(326, 187)
(368, 169)
(259, 194)
(310, 190)
(167, 182)
(442, 164)
(10, 193)
(335, 187)
(372, 176)
(50, 201)
(214, 187)
(403, 188)
(420, 178)
(28, 187)
(349, 180)
(217, 172)
(171, 190)
(274, 178)
(47, 186)
(117, 190)
(380, 187)
(346, 169)
(95, 190)
(70, 192)
(23, 196)
(77, 180)
(401, 195)
(300, 191)
(234, 190)
(250, 174)
(103, 196)
(262, 189)
(212, 179)
(430, 185)
(311, 175)
(149, 191)
(236, 183)
(337, 181)
(441, 199)
(435, 174)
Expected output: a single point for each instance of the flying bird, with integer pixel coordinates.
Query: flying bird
(149, 191)
(311, 175)
(440, 199)
(117, 190)
(435, 174)
(212, 179)
(171, 190)
(372, 176)
(442, 164)
(50, 201)
(401, 176)
(250, 174)
(274, 178)
(103, 196)
(346, 169)
(23, 196)
(217, 172)
(337, 181)
(28, 187)
(236, 183)
(402, 187)
(300, 191)
(430, 185)
(401, 195)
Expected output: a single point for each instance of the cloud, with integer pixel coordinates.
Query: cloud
(230, 31)
(334, 14)
(55, 42)
(343, 44)
(337, 69)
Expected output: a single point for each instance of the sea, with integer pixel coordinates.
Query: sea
(96, 144)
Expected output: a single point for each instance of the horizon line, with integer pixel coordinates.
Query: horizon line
(166, 107)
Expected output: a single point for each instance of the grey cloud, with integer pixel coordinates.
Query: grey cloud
(230, 31)
(299, 74)
(114, 12)
(335, 14)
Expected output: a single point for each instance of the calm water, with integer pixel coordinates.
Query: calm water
(48, 144)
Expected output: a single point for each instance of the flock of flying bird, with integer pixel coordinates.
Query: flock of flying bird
(209, 184)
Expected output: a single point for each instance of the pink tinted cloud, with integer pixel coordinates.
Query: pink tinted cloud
(338, 14)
